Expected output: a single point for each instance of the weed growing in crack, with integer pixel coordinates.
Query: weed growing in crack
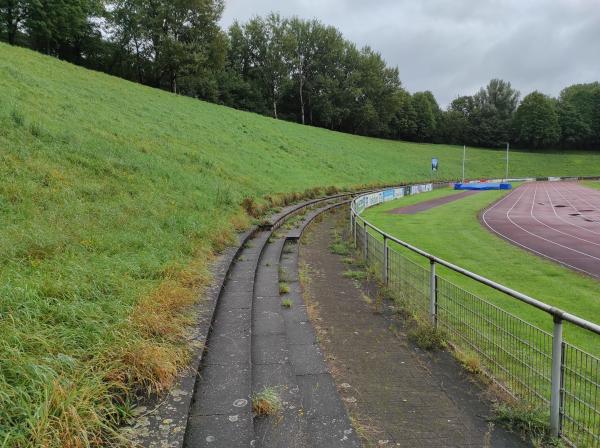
(427, 337)
(266, 402)
(470, 361)
(355, 275)
(529, 421)
(284, 288)
(283, 275)
(339, 246)
(286, 303)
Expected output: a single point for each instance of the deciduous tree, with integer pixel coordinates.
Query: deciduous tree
(536, 122)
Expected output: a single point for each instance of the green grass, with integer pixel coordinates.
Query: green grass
(453, 233)
(114, 197)
(592, 184)
(267, 402)
(284, 288)
(355, 275)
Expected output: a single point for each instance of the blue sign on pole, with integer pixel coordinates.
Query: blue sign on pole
(434, 164)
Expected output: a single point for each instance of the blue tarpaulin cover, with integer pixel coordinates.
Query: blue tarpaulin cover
(483, 186)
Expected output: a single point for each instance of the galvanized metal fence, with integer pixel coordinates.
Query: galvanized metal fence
(536, 367)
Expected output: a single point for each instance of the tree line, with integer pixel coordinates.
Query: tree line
(291, 69)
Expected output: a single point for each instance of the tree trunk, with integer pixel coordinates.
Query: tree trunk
(138, 60)
(302, 99)
(274, 109)
(12, 35)
(173, 81)
(10, 26)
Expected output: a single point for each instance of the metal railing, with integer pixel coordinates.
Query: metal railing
(535, 366)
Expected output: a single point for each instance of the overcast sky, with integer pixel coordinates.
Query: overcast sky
(453, 47)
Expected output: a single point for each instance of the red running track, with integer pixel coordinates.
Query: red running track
(556, 220)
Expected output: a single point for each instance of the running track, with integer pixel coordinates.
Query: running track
(556, 220)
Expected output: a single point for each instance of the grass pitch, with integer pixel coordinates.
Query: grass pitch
(113, 199)
(453, 232)
(592, 184)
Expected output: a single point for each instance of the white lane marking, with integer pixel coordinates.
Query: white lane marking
(546, 239)
(581, 227)
(572, 206)
(553, 228)
(516, 243)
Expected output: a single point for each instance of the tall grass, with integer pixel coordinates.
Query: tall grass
(114, 197)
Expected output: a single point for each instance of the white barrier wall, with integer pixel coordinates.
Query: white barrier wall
(369, 200)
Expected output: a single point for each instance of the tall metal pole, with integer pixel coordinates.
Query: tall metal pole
(507, 149)
(463, 165)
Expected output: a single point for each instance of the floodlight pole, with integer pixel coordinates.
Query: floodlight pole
(507, 149)
(463, 165)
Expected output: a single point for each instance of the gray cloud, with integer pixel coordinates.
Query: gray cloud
(453, 47)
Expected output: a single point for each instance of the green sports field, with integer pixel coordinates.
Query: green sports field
(453, 232)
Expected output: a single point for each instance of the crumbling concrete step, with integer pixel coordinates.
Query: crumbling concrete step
(296, 233)
(271, 368)
(221, 410)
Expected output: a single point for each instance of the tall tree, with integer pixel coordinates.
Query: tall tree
(62, 28)
(313, 52)
(492, 113)
(301, 47)
(181, 39)
(536, 121)
(427, 116)
(455, 125)
(579, 111)
(12, 14)
(265, 40)
(403, 123)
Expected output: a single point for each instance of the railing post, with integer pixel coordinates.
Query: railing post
(385, 260)
(432, 294)
(366, 243)
(555, 391)
(354, 231)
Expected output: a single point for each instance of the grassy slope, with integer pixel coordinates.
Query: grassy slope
(113, 196)
(453, 232)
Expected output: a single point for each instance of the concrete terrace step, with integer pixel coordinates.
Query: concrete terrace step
(270, 359)
(287, 357)
(296, 233)
(221, 410)
(256, 343)
(279, 217)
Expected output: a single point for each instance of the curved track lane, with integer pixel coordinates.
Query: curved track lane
(556, 220)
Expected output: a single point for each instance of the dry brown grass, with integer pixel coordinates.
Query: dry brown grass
(240, 221)
(470, 361)
(149, 351)
(64, 420)
(252, 208)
